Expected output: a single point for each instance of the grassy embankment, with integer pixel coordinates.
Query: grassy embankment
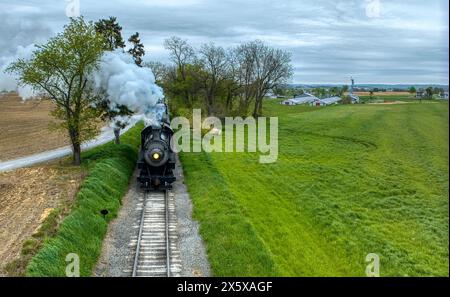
(109, 168)
(349, 180)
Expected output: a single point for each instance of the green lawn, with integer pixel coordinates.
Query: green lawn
(349, 180)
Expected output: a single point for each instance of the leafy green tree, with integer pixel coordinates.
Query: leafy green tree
(429, 92)
(60, 70)
(371, 95)
(137, 49)
(344, 89)
(112, 32)
(319, 92)
(334, 91)
(437, 90)
(412, 90)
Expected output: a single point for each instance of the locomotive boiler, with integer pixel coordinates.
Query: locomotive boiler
(156, 160)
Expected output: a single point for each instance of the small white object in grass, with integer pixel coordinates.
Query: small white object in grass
(216, 131)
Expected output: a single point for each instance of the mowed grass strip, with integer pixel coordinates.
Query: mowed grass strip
(82, 231)
(349, 181)
(234, 247)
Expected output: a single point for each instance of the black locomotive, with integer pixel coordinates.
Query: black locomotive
(156, 159)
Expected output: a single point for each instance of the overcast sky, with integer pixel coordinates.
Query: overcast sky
(375, 41)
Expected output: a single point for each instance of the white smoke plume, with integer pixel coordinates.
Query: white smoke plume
(8, 82)
(19, 34)
(127, 84)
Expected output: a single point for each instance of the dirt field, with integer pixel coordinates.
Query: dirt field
(24, 127)
(382, 93)
(27, 196)
(390, 102)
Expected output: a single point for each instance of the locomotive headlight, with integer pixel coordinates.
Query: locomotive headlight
(156, 155)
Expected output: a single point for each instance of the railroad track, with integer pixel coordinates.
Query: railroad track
(156, 253)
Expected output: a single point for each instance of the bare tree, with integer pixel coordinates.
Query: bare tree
(272, 67)
(214, 62)
(181, 53)
(159, 69)
(243, 70)
(260, 69)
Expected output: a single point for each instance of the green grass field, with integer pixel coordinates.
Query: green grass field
(350, 180)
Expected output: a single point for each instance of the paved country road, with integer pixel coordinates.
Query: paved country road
(105, 136)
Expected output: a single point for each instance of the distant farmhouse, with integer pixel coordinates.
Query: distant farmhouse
(421, 94)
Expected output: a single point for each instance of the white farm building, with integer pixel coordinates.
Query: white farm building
(302, 99)
(326, 101)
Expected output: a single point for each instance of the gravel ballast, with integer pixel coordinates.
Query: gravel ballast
(119, 244)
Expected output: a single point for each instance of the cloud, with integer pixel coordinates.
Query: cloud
(330, 40)
(17, 32)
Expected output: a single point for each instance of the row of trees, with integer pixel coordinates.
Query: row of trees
(429, 91)
(221, 81)
(333, 91)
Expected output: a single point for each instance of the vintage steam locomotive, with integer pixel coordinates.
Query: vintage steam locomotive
(156, 160)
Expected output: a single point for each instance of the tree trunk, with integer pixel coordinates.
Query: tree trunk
(228, 103)
(117, 135)
(76, 146)
(76, 154)
(209, 103)
(260, 107)
(257, 108)
(243, 108)
(186, 99)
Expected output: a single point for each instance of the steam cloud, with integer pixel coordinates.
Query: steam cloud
(8, 82)
(127, 84)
